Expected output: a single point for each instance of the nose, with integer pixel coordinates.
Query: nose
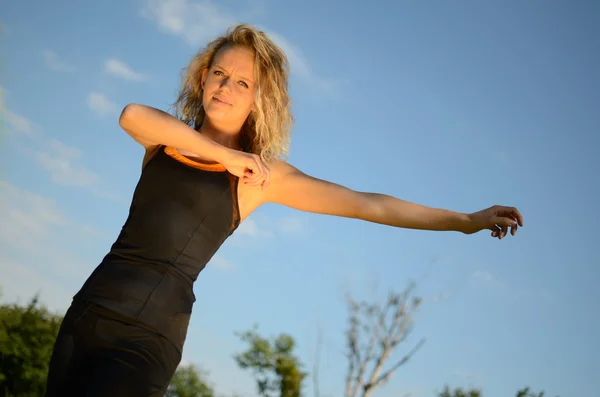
(225, 83)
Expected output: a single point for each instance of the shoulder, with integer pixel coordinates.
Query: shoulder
(281, 176)
(293, 188)
(279, 169)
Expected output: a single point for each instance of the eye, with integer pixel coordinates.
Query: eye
(218, 73)
(243, 84)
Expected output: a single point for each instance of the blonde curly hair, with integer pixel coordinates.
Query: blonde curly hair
(267, 130)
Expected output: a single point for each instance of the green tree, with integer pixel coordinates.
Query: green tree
(27, 335)
(275, 366)
(526, 392)
(190, 381)
(459, 392)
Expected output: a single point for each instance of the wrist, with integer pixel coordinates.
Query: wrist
(218, 152)
(464, 223)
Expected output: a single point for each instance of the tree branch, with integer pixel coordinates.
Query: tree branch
(353, 347)
(381, 339)
(316, 365)
(388, 374)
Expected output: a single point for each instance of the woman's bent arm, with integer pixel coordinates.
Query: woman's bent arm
(151, 127)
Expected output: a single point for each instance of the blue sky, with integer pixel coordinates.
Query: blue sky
(458, 105)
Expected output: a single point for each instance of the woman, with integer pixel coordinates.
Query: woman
(203, 173)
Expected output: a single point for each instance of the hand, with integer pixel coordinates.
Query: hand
(498, 219)
(247, 166)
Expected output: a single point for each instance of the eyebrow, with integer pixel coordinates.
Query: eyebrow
(243, 78)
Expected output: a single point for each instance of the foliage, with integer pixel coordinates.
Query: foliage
(27, 336)
(190, 381)
(275, 366)
(459, 392)
(526, 392)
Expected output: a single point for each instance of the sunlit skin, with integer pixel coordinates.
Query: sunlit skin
(230, 88)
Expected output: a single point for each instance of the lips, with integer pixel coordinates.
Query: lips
(221, 101)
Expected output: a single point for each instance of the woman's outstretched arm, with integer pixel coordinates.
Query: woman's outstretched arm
(293, 188)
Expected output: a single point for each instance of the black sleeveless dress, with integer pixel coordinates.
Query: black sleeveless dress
(134, 309)
(181, 213)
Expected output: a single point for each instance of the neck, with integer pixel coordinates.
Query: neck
(226, 137)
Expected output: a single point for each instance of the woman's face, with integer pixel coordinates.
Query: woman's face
(229, 88)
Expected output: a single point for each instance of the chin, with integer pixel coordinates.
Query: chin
(214, 113)
(220, 120)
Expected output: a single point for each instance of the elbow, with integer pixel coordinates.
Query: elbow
(369, 208)
(129, 114)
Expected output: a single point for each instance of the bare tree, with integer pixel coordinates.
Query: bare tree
(315, 377)
(375, 331)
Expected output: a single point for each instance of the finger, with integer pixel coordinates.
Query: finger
(252, 174)
(504, 221)
(495, 231)
(518, 215)
(503, 232)
(253, 180)
(256, 179)
(260, 172)
(513, 230)
(267, 180)
(249, 178)
(264, 172)
(263, 166)
(513, 213)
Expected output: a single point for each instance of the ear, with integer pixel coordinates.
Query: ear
(203, 78)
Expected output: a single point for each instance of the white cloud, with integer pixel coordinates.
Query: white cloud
(249, 227)
(26, 216)
(100, 104)
(16, 122)
(291, 224)
(21, 283)
(54, 62)
(61, 161)
(199, 22)
(482, 276)
(33, 235)
(300, 66)
(517, 290)
(221, 263)
(196, 22)
(250, 231)
(120, 69)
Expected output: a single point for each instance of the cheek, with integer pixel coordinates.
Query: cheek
(209, 84)
(246, 97)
